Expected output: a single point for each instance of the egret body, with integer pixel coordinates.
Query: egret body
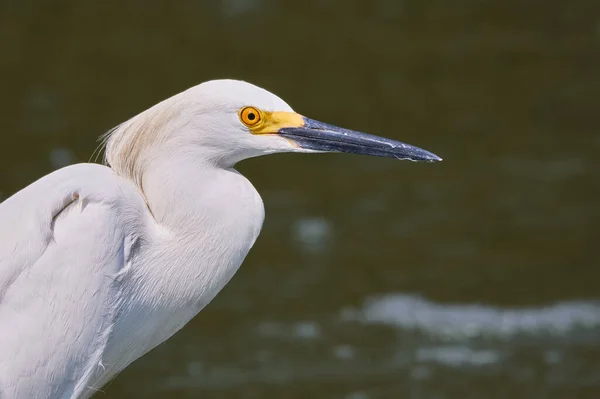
(100, 264)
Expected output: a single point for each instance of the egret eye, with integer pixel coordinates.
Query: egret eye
(250, 116)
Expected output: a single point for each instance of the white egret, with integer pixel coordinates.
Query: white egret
(100, 264)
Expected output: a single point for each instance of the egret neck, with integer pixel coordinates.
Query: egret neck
(209, 214)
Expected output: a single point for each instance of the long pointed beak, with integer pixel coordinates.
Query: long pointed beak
(319, 136)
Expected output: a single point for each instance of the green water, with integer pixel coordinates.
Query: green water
(473, 278)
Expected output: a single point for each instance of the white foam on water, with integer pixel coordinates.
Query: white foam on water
(471, 320)
(344, 352)
(456, 356)
(313, 234)
(307, 330)
(300, 330)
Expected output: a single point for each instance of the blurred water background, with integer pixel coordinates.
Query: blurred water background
(474, 278)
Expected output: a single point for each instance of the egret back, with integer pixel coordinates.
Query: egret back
(64, 243)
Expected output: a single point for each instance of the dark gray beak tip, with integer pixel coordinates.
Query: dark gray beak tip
(412, 153)
(431, 157)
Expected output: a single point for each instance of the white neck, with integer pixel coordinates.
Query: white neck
(212, 216)
(207, 219)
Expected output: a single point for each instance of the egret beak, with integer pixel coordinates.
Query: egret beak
(319, 136)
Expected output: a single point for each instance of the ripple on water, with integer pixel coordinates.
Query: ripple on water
(312, 234)
(456, 356)
(301, 330)
(473, 321)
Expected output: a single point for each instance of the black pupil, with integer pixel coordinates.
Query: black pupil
(251, 116)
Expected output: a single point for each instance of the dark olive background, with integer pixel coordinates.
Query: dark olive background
(507, 92)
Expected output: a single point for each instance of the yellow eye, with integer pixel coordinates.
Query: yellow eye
(250, 116)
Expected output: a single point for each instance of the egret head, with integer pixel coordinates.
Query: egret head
(225, 121)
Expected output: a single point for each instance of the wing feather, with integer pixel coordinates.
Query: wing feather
(62, 247)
